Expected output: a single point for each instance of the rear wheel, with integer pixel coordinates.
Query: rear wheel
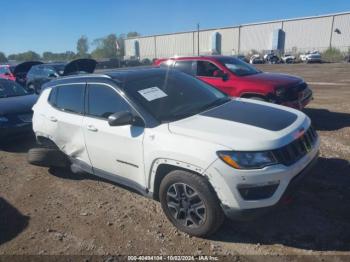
(47, 157)
(190, 203)
(31, 87)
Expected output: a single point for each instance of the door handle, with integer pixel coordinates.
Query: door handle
(92, 128)
(53, 119)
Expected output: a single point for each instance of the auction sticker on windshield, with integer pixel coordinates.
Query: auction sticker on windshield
(152, 93)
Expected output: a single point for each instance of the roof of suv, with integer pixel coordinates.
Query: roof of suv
(196, 57)
(118, 75)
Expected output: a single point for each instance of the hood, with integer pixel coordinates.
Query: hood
(245, 125)
(23, 68)
(80, 65)
(17, 104)
(274, 79)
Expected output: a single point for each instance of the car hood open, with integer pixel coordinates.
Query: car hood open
(243, 124)
(24, 67)
(80, 65)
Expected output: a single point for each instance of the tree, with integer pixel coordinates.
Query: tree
(106, 47)
(26, 56)
(3, 58)
(132, 34)
(82, 46)
(66, 56)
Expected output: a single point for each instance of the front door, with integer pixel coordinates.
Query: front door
(207, 72)
(116, 152)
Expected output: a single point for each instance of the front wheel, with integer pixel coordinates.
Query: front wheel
(190, 203)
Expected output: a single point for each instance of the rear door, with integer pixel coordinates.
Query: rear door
(116, 152)
(207, 71)
(186, 66)
(64, 119)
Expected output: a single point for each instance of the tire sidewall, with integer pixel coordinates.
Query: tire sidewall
(207, 196)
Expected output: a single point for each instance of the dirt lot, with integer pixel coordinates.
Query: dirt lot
(55, 212)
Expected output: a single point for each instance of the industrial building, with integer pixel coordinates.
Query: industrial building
(290, 35)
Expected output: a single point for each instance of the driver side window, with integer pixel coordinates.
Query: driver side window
(103, 101)
(207, 69)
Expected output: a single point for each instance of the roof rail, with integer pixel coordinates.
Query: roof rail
(84, 75)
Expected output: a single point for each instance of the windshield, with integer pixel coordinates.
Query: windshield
(238, 67)
(172, 95)
(59, 69)
(11, 88)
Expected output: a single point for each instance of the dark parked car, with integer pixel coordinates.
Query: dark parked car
(42, 73)
(15, 109)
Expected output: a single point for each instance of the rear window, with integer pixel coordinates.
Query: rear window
(185, 66)
(70, 98)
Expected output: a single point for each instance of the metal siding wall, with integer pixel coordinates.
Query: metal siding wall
(342, 40)
(147, 47)
(308, 34)
(229, 41)
(305, 34)
(258, 37)
(176, 44)
(128, 47)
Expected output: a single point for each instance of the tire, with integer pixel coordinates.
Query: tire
(31, 86)
(198, 213)
(47, 157)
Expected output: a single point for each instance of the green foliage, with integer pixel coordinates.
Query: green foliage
(26, 56)
(82, 47)
(55, 57)
(132, 34)
(3, 58)
(332, 54)
(106, 47)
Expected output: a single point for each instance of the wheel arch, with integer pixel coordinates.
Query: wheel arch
(162, 167)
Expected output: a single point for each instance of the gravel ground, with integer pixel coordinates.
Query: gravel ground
(46, 211)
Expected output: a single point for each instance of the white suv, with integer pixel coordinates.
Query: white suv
(175, 139)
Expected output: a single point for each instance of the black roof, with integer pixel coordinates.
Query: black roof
(123, 75)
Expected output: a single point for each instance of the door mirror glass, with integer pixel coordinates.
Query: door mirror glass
(220, 74)
(121, 119)
(52, 75)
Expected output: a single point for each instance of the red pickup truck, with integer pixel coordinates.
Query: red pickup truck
(237, 78)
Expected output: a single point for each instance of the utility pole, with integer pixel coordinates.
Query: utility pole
(198, 39)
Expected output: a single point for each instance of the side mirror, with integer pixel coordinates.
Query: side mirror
(123, 119)
(220, 73)
(52, 75)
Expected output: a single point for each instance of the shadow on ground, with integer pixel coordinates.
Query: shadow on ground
(325, 120)
(65, 173)
(317, 219)
(18, 144)
(12, 222)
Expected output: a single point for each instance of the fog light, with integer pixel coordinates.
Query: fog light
(258, 191)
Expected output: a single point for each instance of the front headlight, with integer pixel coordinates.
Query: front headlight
(280, 91)
(247, 160)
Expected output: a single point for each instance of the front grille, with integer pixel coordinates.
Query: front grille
(292, 92)
(294, 151)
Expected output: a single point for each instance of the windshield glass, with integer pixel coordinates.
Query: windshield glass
(11, 88)
(238, 67)
(59, 69)
(173, 95)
